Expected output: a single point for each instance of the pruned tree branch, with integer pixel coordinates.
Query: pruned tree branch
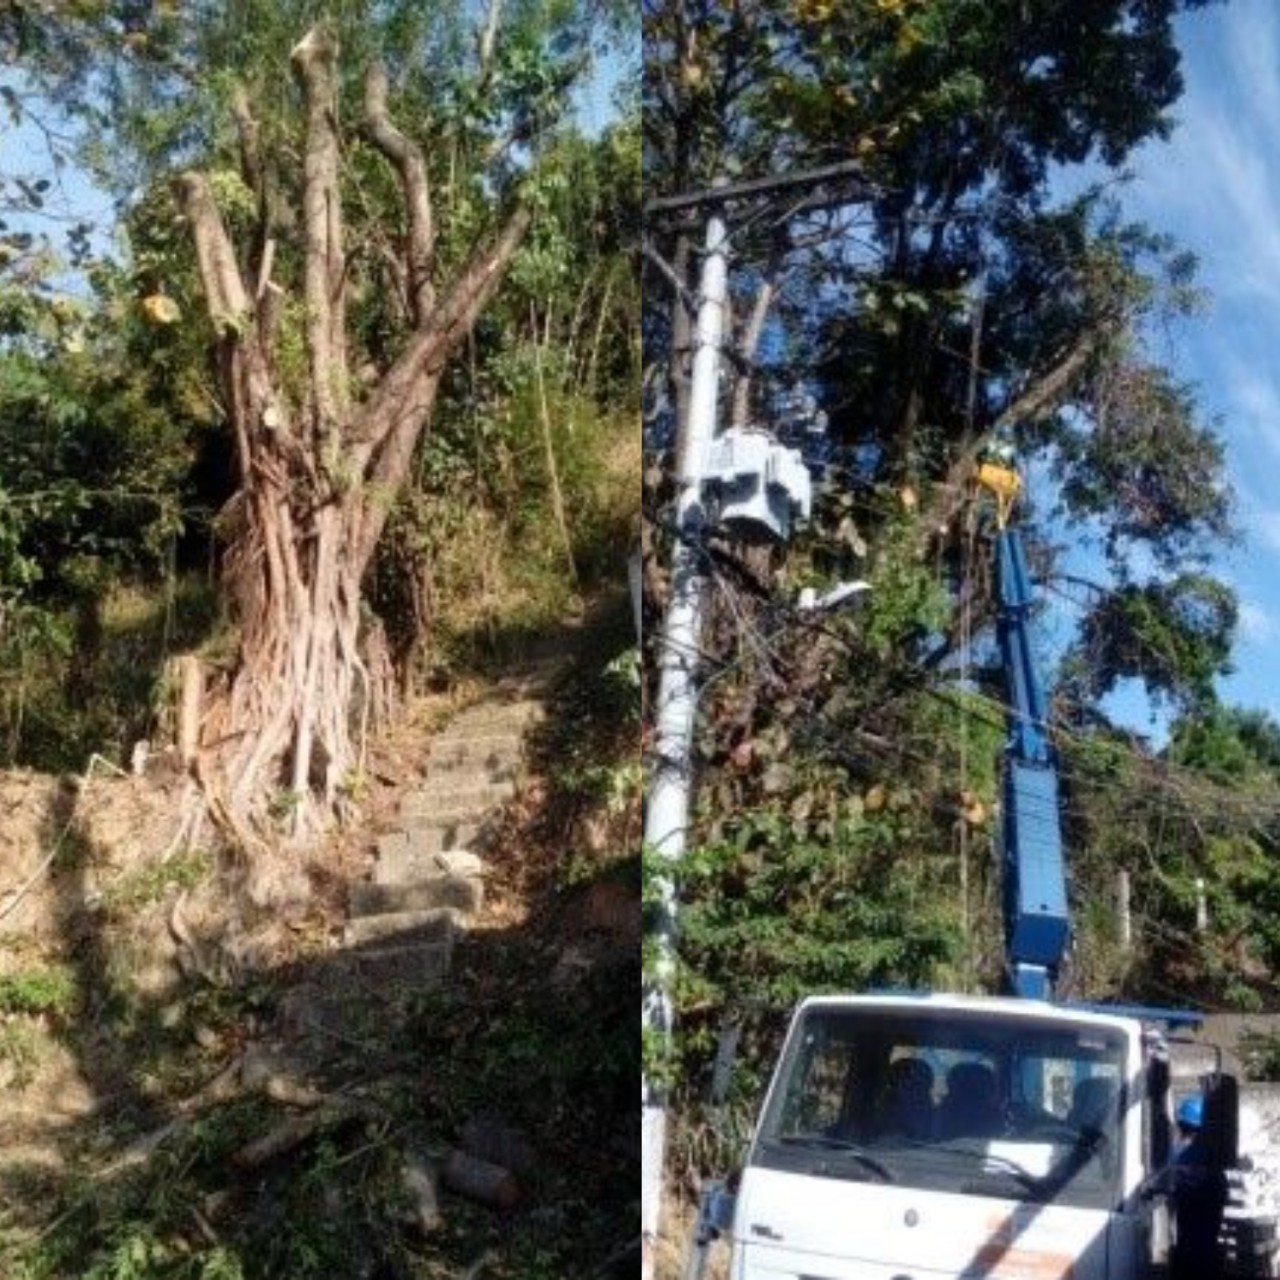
(489, 39)
(1047, 391)
(255, 405)
(313, 60)
(1044, 394)
(225, 294)
(407, 158)
(452, 320)
(747, 349)
(250, 134)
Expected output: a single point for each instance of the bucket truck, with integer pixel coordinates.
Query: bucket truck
(951, 1137)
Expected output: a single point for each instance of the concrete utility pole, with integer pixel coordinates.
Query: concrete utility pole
(667, 809)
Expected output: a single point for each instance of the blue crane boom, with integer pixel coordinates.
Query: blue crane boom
(1037, 926)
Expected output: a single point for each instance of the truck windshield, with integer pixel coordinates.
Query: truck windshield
(976, 1102)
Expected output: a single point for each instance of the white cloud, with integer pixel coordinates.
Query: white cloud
(1257, 624)
(1248, 395)
(1215, 182)
(1267, 525)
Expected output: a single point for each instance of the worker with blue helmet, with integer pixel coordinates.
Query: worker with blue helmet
(1191, 1115)
(1199, 1195)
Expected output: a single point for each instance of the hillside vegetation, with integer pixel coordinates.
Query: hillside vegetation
(319, 374)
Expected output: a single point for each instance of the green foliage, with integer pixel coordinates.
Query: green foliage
(95, 446)
(146, 885)
(773, 915)
(1173, 635)
(32, 991)
(906, 602)
(1260, 1052)
(479, 524)
(1229, 745)
(1151, 473)
(1201, 816)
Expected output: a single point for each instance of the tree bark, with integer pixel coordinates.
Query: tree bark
(282, 736)
(747, 349)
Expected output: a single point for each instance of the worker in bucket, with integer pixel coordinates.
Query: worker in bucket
(1199, 1193)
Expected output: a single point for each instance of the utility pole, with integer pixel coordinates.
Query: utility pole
(667, 808)
(1123, 911)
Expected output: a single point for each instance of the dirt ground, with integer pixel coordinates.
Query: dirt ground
(133, 981)
(678, 1218)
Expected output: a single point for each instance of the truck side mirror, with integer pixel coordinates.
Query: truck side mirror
(1222, 1119)
(1160, 1135)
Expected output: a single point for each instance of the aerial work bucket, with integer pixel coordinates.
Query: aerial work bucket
(1004, 483)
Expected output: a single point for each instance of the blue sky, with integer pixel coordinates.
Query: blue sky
(1215, 185)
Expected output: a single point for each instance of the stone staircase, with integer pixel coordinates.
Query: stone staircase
(426, 881)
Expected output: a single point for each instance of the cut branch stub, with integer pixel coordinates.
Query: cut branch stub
(225, 293)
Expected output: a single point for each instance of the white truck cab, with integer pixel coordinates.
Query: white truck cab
(922, 1137)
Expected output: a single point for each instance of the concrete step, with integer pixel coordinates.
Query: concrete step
(493, 717)
(533, 682)
(461, 789)
(443, 804)
(471, 773)
(463, 894)
(427, 836)
(388, 968)
(415, 858)
(442, 812)
(433, 927)
(453, 747)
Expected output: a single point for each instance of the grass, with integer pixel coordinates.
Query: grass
(95, 673)
(22, 1049)
(43, 990)
(147, 885)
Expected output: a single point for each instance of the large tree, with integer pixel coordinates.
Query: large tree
(349, 230)
(317, 472)
(348, 224)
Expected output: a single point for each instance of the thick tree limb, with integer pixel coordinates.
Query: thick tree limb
(407, 158)
(250, 134)
(254, 404)
(225, 293)
(313, 60)
(1045, 393)
(430, 347)
(747, 349)
(389, 423)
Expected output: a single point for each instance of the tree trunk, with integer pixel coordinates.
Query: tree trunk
(284, 730)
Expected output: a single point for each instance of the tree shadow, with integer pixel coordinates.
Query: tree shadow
(371, 1061)
(104, 690)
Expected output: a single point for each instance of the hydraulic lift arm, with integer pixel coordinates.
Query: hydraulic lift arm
(1037, 926)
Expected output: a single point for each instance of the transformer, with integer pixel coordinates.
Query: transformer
(757, 486)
